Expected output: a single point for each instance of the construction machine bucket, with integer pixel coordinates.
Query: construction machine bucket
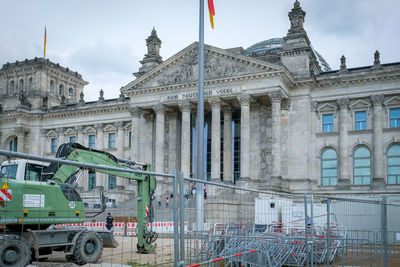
(108, 239)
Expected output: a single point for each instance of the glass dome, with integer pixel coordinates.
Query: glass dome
(275, 44)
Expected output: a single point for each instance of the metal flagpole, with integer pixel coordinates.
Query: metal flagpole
(200, 126)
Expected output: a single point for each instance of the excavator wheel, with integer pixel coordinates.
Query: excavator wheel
(14, 251)
(88, 248)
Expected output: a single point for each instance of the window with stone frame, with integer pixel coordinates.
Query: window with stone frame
(112, 182)
(393, 164)
(360, 120)
(13, 144)
(61, 90)
(70, 93)
(92, 141)
(91, 180)
(21, 85)
(327, 123)
(111, 140)
(329, 167)
(361, 166)
(130, 138)
(394, 117)
(12, 87)
(51, 86)
(53, 145)
(72, 139)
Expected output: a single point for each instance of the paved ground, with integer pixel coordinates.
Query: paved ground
(121, 256)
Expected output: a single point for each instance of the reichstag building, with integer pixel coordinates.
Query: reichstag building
(276, 117)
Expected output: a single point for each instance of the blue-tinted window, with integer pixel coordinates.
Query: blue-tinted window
(112, 182)
(329, 167)
(130, 138)
(53, 145)
(393, 165)
(72, 139)
(111, 140)
(13, 145)
(92, 180)
(360, 120)
(394, 114)
(51, 86)
(92, 141)
(327, 123)
(362, 166)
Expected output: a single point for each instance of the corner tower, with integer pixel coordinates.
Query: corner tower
(297, 54)
(152, 59)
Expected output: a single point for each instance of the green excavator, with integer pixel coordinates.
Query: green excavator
(31, 207)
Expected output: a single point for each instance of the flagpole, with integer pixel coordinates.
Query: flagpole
(200, 126)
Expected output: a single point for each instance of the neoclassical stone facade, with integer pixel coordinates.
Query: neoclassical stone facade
(276, 116)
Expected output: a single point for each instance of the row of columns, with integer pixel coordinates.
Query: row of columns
(377, 143)
(216, 105)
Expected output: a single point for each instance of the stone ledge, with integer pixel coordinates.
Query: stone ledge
(391, 129)
(326, 134)
(368, 131)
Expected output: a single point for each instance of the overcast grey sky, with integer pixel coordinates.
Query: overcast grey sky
(105, 40)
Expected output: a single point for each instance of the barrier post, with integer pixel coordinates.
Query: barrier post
(182, 217)
(175, 207)
(306, 229)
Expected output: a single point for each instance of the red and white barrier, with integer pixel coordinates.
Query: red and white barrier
(120, 229)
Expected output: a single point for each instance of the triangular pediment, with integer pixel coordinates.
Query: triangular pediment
(110, 128)
(70, 131)
(182, 68)
(327, 107)
(393, 101)
(360, 104)
(51, 133)
(89, 130)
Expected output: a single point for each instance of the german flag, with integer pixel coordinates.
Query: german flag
(211, 11)
(45, 42)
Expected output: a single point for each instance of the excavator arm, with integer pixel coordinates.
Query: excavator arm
(66, 174)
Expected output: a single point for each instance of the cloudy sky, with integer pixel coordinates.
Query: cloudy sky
(105, 40)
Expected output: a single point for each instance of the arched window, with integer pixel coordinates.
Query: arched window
(70, 93)
(12, 87)
(13, 145)
(393, 164)
(21, 85)
(52, 86)
(361, 166)
(61, 90)
(30, 84)
(329, 167)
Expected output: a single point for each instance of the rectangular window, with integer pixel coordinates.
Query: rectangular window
(92, 180)
(394, 115)
(130, 139)
(112, 182)
(111, 140)
(360, 120)
(53, 145)
(327, 123)
(72, 139)
(92, 141)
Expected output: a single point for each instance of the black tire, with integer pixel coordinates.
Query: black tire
(14, 251)
(88, 248)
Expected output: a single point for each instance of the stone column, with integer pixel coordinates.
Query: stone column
(135, 113)
(119, 144)
(80, 135)
(378, 180)
(101, 178)
(276, 152)
(215, 103)
(185, 108)
(344, 175)
(159, 109)
(227, 144)
(244, 100)
(43, 142)
(21, 133)
(61, 136)
(173, 136)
